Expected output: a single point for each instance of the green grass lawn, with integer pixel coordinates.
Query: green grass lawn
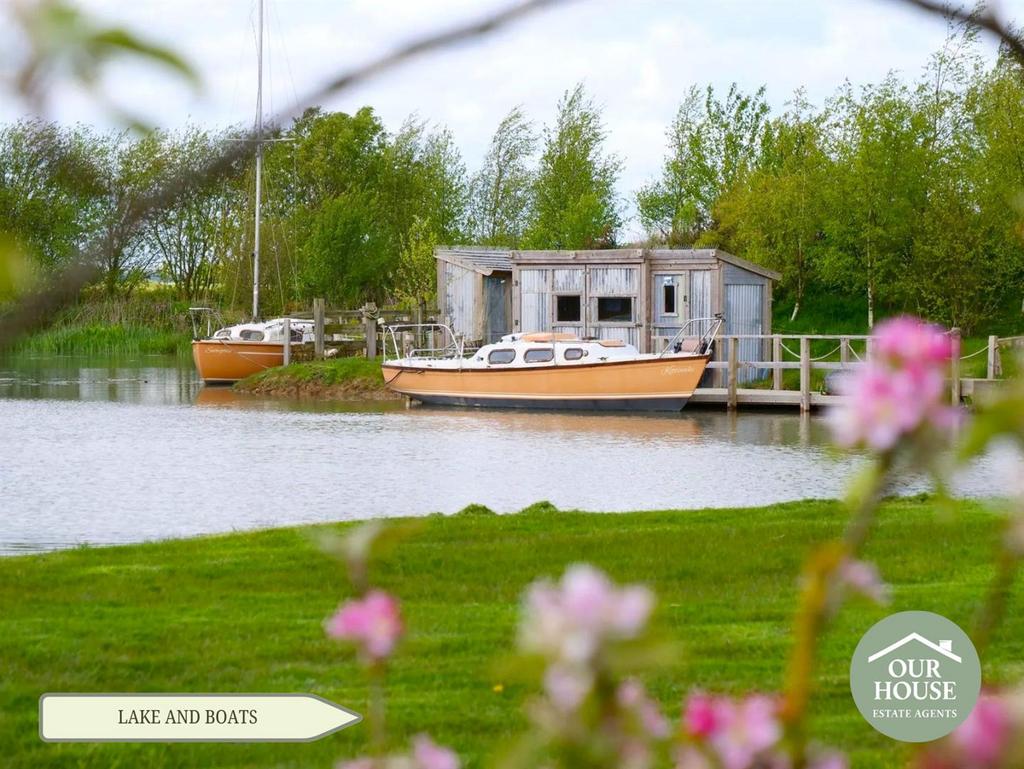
(243, 613)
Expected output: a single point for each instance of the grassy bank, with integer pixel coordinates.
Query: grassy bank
(242, 613)
(149, 321)
(334, 379)
(106, 339)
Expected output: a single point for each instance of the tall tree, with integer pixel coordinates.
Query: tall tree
(880, 190)
(774, 215)
(46, 184)
(713, 143)
(574, 202)
(499, 208)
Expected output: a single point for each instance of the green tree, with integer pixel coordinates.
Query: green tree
(186, 236)
(500, 191)
(416, 274)
(879, 192)
(46, 184)
(574, 202)
(713, 143)
(127, 167)
(774, 214)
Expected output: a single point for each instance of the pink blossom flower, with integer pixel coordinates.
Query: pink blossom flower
(567, 685)
(373, 622)
(738, 732)
(898, 391)
(863, 577)
(701, 717)
(690, 757)
(427, 754)
(632, 696)
(751, 727)
(569, 622)
(831, 759)
(984, 735)
(906, 341)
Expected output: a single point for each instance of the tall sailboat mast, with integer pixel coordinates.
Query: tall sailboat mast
(259, 167)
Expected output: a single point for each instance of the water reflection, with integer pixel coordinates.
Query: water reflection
(124, 451)
(143, 379)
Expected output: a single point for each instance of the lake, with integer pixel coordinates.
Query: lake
(106, 452)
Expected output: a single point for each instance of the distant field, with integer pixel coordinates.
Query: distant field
(242, 613)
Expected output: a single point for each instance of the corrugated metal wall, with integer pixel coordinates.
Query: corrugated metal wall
(743, 305)
(460, 299)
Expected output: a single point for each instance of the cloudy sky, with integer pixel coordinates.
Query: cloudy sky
(636, 57)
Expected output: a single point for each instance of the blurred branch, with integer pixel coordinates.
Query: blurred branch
(33, 310)
(983, 18)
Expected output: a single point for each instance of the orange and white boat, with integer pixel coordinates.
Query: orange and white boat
(235, 352)
(545, 370)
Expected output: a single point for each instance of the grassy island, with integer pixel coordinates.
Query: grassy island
(243, 613)
(333, 379)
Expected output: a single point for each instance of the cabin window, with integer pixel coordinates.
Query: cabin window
(539, 355)
(568, 309)
(669, 297)
(615, 309)
(251, 335)
(574, 353)
(501, 356)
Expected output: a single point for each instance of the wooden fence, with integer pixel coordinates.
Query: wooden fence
(793, 352)
(350, 332)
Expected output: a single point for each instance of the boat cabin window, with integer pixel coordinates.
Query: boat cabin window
(539, 355)
(615, 309)
(251, 335)
(568, 309)
(574, 353)
(669, 298)
(501, 356)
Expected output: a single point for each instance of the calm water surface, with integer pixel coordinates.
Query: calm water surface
(113, 452)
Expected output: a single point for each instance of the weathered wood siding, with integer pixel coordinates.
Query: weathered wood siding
(461, 300)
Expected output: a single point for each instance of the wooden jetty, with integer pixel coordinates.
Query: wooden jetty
(731, 382)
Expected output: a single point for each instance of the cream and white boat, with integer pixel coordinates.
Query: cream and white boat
(545, 370)
(235, 352)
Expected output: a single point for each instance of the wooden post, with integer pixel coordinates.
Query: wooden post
(805, 374)
(287, 341)
(370, 327)
(844, 350)
(993, 371)
(777, 359)
(734, 347)
(954, 378)
(318, 329)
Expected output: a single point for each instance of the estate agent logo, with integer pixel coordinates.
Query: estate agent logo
(915, 676)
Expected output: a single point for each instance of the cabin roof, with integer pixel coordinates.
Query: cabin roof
(478, 258)
(486, 260)
(687, 254)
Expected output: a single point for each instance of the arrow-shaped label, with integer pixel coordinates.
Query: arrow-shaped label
(189, 717)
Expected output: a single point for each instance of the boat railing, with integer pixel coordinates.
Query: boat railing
(425, 341)
(200, 315)
(702, 330)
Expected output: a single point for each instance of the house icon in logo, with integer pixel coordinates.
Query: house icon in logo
(944, 648)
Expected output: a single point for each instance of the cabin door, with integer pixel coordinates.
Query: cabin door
(669, 307)
(497, 298)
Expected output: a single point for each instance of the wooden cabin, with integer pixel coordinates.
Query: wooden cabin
(641, 296)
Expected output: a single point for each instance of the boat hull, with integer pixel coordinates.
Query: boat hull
(221, 361)
(658, 384)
